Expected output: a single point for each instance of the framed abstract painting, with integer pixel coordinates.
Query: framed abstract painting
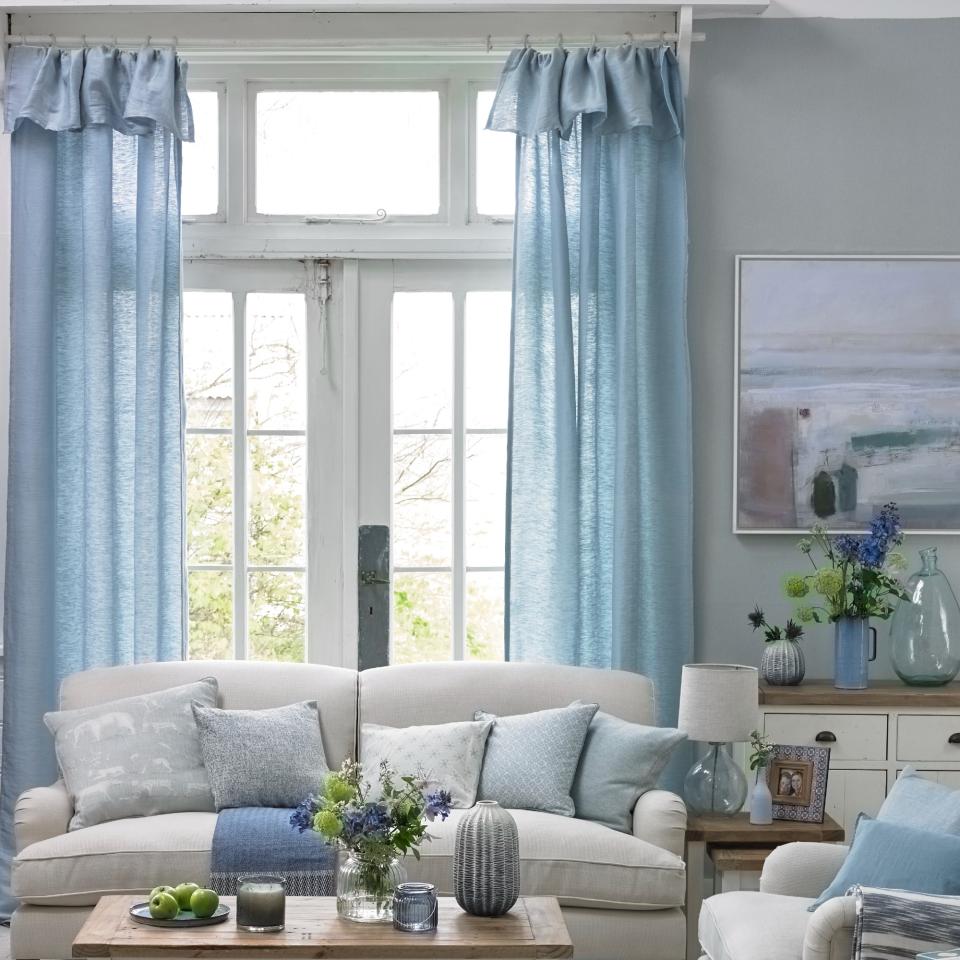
(847, 392)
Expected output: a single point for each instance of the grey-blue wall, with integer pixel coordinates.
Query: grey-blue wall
(815, 136)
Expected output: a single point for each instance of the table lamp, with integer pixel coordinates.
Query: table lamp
(718, 706)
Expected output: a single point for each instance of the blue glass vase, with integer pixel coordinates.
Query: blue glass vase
(854, 647)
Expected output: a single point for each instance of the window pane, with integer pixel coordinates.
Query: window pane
(421, 617)
(200, 194)
(422, 521)
(496, 164)
(209, 498)
(211, 614)
(276, 358)
(208, 357)
(486, 491)
(277, 485)
(422, 360)
(487, 359)
(276, 619)
(348, 152)
(485, 616)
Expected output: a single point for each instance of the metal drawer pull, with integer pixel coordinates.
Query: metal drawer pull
(826, 736)
(953, 738)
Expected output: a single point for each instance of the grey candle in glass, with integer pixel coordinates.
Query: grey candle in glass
(415, 907)
(260, 903)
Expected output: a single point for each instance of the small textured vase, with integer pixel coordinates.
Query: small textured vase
(853, 640)
(486, 861)
(925, 631)
(365, 889)
(782, 664)
(761, 801)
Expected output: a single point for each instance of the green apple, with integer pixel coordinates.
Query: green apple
(183, 893)
(164, 906)
(162, 889)
(204, 902)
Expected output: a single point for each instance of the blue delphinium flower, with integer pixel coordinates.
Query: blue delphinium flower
(847, 546)
(302, 816)
(438, 805)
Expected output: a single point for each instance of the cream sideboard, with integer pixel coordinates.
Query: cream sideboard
(872, 734)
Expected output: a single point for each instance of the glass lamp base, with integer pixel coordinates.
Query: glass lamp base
(715, 784)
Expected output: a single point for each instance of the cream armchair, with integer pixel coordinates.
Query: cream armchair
(775, 924)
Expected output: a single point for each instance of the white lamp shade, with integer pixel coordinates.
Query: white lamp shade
(719, 702)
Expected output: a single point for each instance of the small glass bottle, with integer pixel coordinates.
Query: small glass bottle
(925, 629)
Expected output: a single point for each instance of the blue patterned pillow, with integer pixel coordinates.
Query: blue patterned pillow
(532, 758)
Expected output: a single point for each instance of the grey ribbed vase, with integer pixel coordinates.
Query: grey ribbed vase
(486, 861)
(782, 664)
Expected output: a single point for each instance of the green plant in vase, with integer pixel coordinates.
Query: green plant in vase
(854, 580)
(782, 664)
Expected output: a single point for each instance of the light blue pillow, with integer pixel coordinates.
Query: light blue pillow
(620, 761)
(918, 802)
(898, 857)
(532, 758)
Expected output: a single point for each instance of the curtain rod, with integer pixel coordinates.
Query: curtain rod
(488, 44)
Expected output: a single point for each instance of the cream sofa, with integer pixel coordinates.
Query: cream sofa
(775, 924)
(618, 891)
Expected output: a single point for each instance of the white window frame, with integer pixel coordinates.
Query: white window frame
(378, 283)
(220, 215)
(475, 87)
(330, 561)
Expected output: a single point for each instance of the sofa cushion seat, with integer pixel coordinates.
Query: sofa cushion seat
(582, 863)
(121, 856)
(754, 926)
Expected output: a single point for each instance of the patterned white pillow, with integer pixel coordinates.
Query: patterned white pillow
(449, 755)
(134, 757)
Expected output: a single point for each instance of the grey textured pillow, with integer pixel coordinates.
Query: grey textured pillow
(134, 757)
(262, 758)
(532, 758)
(449, 754)
(620, 761)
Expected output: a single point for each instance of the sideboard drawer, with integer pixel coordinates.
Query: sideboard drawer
(925, 738)
(850, 736)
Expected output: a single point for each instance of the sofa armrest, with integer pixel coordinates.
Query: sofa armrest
(660, 818)
(802, 869)
(829, 934)
(41, 813)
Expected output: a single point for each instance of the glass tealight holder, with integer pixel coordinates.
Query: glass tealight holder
(415, 907)
(261, 902)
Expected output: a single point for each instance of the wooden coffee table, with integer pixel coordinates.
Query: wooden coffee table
(534, 928)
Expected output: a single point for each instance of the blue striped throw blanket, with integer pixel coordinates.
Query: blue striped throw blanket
(895, 925)
(260, 840)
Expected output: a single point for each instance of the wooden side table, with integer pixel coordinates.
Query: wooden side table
(735, 844)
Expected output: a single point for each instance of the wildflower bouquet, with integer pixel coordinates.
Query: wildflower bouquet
(374, 827)
(857, 573)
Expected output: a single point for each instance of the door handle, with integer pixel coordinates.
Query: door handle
(827, 736)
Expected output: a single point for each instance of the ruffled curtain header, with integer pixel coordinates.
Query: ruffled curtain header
(622, 87)
(135, 93)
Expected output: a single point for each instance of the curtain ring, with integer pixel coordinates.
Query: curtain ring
(526, 41)
(630, 39)
(560, 40)
(663, 38)
(53, 39)
(489, 44)
(146, 42)
(83, 40)
(594, 41)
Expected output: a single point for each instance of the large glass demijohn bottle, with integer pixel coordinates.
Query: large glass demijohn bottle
(925, 629)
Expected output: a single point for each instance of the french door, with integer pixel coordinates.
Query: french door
(322, 397)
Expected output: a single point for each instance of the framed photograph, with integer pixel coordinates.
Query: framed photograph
(797, 777)
(847, 392)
